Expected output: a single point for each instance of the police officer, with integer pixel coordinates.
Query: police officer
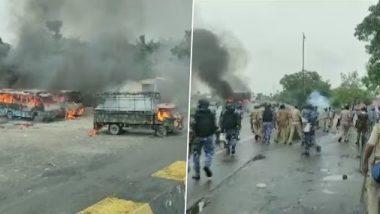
(282, 117)
(268, 122)
(204, 127)
(230, 123)
(345, 123)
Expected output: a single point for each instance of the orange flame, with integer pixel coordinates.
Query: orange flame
(162, 115)
(80, 112)
(6, 98)
(72, 114)
(93, 133)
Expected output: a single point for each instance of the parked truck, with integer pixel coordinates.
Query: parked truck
(122, 110)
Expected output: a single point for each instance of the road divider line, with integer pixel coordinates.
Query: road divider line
(112, 205)
(175, 171)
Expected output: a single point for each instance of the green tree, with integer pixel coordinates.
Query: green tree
(369, 31)
(183, 49)
(351, 91)
(293, 87)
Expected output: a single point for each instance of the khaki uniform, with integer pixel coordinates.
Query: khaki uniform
(345, 123)
(325, 120)
(295, 124)
(331, 118)
(256, 118)
(283, 117)
(372, 185)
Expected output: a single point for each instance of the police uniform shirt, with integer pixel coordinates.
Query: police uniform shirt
(373, 140)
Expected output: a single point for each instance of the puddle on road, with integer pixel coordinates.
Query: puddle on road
(334, 178)
(326, 191)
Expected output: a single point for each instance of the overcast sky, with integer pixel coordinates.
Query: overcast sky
(158, 19)
(271, 33)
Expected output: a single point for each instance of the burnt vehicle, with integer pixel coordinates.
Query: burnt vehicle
(35, 105)
(71, 101)
(122, 110)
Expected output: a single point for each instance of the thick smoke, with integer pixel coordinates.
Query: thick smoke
(316, 99)
(89, 45)
(212, 63)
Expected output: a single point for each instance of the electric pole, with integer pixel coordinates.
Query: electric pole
(303, 64)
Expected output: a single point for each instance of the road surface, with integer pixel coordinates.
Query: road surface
(275, 179)
(56, 168)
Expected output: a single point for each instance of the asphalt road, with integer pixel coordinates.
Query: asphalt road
(56, 168)
(276, 179)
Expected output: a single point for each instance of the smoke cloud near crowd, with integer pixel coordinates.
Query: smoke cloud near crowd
(317, 99)
(94, 45)
(213, 64)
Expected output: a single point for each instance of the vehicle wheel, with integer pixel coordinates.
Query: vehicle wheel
(161, 131)
(114, 129)
(9, 115)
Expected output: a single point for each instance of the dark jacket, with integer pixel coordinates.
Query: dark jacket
(204, 123)
(230, 119)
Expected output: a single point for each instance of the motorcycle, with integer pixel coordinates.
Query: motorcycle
(309, 138)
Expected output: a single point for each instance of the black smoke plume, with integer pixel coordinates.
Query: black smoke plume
(90, 45)
(212, 64)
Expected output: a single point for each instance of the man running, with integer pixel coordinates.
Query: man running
(230, 123)
(295, 124)
(268, 122)
(204, 128)
(345, 123)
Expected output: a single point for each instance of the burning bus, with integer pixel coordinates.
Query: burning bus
(122, 110)
(28, 104)
(71, 102)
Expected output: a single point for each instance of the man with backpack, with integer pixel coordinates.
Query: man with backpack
(203, 127)
(373, 181)
(268, 119)
(230, 123)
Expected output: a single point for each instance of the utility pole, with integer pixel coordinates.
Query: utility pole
(303, 64)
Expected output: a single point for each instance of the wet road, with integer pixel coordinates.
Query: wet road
(56, 168)
(282, 182)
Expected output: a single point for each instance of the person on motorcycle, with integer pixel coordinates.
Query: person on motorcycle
(230, 123)
(310, 119)
(203, 127)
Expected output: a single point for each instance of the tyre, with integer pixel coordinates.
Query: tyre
(114, 129)
(9, 115)
(161, 131)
